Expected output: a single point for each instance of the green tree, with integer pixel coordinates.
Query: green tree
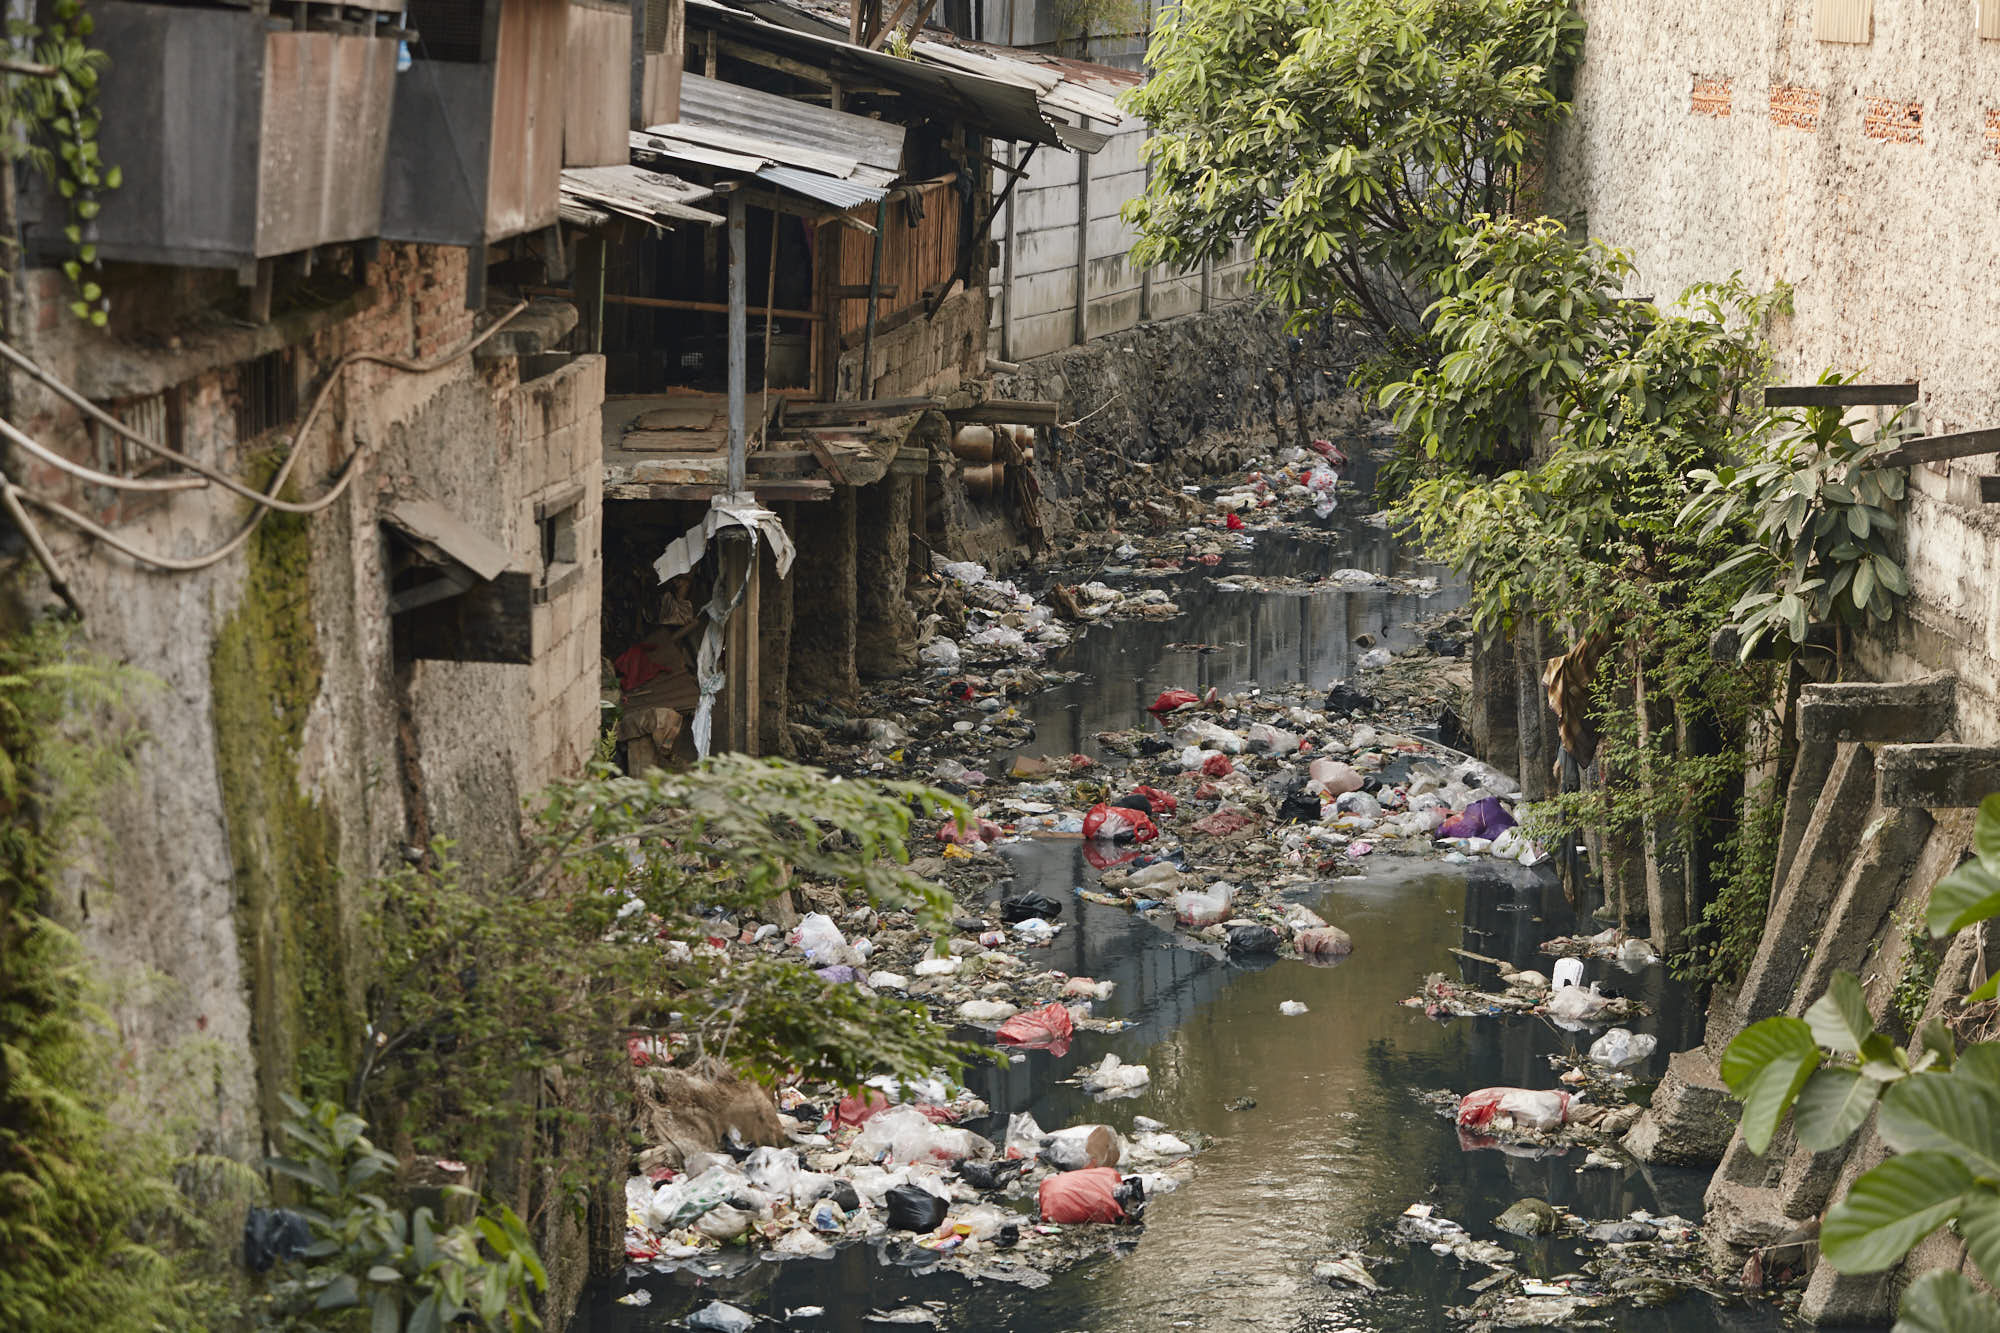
(1939, 1110)
(1348, 141)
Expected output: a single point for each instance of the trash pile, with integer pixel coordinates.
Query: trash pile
(1574, 1007)
(1536, 1122)
(898, 1166)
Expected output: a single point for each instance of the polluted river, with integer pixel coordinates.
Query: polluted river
(1321, 1129)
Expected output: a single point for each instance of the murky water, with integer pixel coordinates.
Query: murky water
(1339, 1141)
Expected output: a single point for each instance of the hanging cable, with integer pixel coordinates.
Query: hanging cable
(92, 475)
(265, 500)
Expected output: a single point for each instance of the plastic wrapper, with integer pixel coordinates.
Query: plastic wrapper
(1513, 1108)
(908, 1135)
(1485, 818)
(1049, 1026)
(1577, 1004)
(1621, 1046)
(1203, 907)
(1112, 823)
(1024, 1136)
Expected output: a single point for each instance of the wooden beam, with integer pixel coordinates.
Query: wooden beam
(813, 488)
(1840, 395)
(830, 414)
(705, 307)
(798, 69)
(1989, 490)
(1017, 411)
(854, 291)
(1938, 448)
(881, 34)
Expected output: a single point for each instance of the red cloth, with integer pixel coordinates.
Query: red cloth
(635, 666)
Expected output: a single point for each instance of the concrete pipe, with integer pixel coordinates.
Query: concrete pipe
(973, 443)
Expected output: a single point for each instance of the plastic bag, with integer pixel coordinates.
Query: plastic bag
(1080, 1196)
(1621, 1046)
(1333, 777)
(1253, 940)
(1358, 803)
(717, 1317)
(774, 1171)
(680, 1202)
(1300, 917)
(1485, 818)
(1217, 766)
(941, 653)
(1024, 1136)
(272, 1234)
(913, 1208)
(1577, 1004)
(1049, 1026)
(986, 1011)
(1170, 700)
(1209, 736)
(1203, 907)
(1324, 942)
(977, 830)
(908, 1135)
(1021, 906)
(1375, 658)
(1159, 802)
(1157, 879)
(1513, 1108)
(1263, 736)
(1115, 1076)
(818, 937)
(964, 571)
(1082, 1146)
(1112, 823)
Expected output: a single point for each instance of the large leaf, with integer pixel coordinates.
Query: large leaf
(1759, 1044)
(1948, 1113)
(1890, 1209)
(1986, 831)
(1771, 1092)
(1979, 1224)
(1832, 1106)
(1839, 1019)
(1943, 1301)
(1968, 894)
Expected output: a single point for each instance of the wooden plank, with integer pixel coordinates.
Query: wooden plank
(1841, 395)
(437, 532)
(704, 307)
(1938, 448)
(870, 409)
(826, 459)
(1017, 411)
(814, 488)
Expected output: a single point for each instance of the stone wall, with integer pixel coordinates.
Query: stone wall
(1715, 137)
(290, 757)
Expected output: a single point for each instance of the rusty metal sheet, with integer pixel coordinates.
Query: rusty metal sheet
(598, 99)
(324, 139)
(524, 171)
(767, 117)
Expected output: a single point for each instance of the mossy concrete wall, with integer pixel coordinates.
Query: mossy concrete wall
(290, 757)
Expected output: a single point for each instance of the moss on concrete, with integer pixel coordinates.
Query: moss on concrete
(264, 672)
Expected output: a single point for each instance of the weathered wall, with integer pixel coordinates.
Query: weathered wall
(272, 784)
(1713, 137)
(1070, 200)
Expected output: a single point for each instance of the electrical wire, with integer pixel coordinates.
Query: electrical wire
(265, 500)
(92, 475)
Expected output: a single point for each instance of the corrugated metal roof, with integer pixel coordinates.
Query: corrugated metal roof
(711, 103)
(633, 192)
(842, 194)
(1005, 104)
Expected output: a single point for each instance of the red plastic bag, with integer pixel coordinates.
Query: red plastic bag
(1162, 802)
(1233, 523)
(1515, 1108)
(1218, 765)
(1169, 700)
(1226, 821)
(1049, 1026)
(982, 830)
(1331, 452)
(1115, 823)
(1089, 1195)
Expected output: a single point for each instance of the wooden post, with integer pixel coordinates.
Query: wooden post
(741, 694)
(1146, 274)
(589, 286)
(866, 389)
(1007, 264)
(1080, 317)
(1207, 282)
(739, 334)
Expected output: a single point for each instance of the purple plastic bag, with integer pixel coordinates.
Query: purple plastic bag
(839, 974)
(1485, 818)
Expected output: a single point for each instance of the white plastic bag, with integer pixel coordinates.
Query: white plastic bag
(1113, 1076)
(818, 937)
(1621, 1047)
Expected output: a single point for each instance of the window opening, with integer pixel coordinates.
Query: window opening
(267, 393)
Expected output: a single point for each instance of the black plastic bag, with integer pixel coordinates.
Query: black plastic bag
(1022, 906)
(273, 1234)
(1299, 807)
(991, 1175)
(1344, 700)
(1131, 1196)
(914, 1209)
(1253, 939)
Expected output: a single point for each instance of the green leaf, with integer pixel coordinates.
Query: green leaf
(384, 1273)
(339, 1294)
(1832, 1106)
(386, 1314)
(1979, 1225)
(1840, 1019)
(1771, 1093)
(1759, 1044)
(1951, 1113)
(1987, 990)
(1890, 1209)
(1986, 832)
(425, 1319)
(1943, 1301)
(1968, 895)
(1934, 1036)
